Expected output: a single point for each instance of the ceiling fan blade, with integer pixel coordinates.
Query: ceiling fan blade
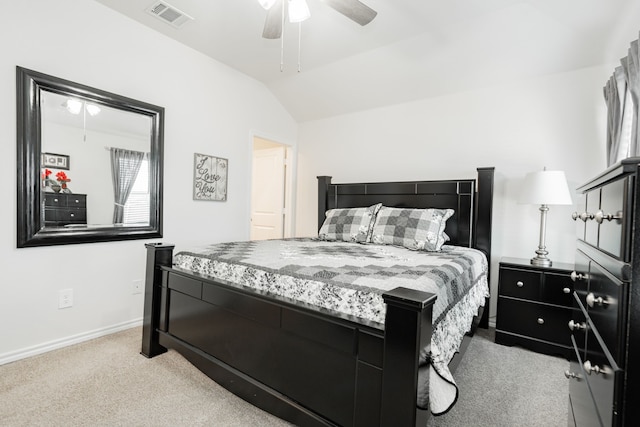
(273, 23)
(354, 10)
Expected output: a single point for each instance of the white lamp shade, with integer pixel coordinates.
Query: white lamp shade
(266, 3)
(545, 188)
(298, 10)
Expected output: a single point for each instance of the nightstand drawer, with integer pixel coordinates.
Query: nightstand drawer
(520, 283)
(539, 321)
(557, 289)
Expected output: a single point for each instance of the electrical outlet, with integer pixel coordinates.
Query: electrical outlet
(65, 298)
(136, 287)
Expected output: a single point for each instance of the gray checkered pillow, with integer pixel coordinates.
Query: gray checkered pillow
(416, 229)
(349, 225)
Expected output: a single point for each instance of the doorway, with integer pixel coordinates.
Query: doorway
(270, 190)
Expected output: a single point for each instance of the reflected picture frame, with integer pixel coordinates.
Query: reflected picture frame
(56, 161)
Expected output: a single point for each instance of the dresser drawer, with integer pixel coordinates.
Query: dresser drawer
(55, 200)
(76, 200)
(583, 407)
(603, 303)
(601, 375)
(590, 226)
(612, 202)
(520, 283)
(538, 321)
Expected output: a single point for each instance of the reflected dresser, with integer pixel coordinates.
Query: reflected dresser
(62, 209)
(604, 371)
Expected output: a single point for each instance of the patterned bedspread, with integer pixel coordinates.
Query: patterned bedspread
(350, 278)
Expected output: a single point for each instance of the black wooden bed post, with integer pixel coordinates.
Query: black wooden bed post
(408, 330)
(484, 212)
(323, 195)
(158, 255)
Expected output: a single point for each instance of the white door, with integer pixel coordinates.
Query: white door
(267, 194)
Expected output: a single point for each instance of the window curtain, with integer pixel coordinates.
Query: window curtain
(125, 165)
(621, 94)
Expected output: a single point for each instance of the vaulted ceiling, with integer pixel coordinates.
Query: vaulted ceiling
(413, 49)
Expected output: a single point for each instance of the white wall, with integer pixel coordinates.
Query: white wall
(557, 121)
(210, 109)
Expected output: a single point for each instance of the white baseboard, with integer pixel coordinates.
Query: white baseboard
(64, 342)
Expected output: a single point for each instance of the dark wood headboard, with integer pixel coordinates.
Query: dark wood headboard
(472, 200)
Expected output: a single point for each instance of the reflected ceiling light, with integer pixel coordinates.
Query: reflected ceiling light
(73, 106)
(266, 4)
(92, 109)
(298, 11)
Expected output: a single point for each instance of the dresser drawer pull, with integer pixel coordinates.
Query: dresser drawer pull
(592, 300)
(566, 290)
(519, 283)
(55, 200)
(570, 375)
(584, 216)
(601, 216)
(578, 276)
(540, 321)
(577, 326)
(592, 368)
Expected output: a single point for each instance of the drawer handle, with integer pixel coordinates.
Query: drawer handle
(601, 216)
(55, 200)
(540, 321)
(592, 300)
(519, 283)
(72, 215)
(570, 375)
(592, 368)
(577, 326)
(578, 276)
(584, 216)
(566, 290)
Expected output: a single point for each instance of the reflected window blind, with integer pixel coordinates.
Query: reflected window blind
(136, 210)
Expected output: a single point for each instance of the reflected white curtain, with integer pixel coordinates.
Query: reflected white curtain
(621, 94)
(125, 165)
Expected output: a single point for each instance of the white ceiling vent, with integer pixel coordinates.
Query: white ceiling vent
(169, 14)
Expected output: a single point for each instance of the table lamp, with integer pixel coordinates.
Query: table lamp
(544, 188)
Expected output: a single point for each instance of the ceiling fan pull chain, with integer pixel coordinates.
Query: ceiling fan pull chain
(299, 44)
(282, 41)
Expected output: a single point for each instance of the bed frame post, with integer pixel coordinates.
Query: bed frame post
(323, 194)
(483, 224)
(408, 330)
(158, 255)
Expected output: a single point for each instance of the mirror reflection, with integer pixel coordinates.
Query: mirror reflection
(93, 152)
(89, 163)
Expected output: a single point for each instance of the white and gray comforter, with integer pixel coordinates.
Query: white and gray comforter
(350, 278)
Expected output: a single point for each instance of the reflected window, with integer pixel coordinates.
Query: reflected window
(136, 210)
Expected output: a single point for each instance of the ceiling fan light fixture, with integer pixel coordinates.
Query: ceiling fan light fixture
(266, 4)
(298, 11)
(73, 105)
(92, 109)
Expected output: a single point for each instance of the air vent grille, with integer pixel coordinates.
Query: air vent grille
(169, 14)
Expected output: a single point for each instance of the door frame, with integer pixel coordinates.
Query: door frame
(290, 182)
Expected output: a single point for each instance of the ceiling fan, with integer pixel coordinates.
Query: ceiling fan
(299, 11)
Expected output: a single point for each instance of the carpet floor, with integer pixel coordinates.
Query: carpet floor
(106, 382)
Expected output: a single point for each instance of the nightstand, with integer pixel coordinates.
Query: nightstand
(535, 306)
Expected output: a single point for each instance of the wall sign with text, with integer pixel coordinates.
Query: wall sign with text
(209, 178)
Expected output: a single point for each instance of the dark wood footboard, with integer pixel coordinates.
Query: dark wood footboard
(306, 366)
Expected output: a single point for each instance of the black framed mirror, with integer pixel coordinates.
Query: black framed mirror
(89, 162)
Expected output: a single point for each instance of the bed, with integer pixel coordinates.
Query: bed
(310, 363)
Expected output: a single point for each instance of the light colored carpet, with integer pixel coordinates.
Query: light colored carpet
(106, 382)
(507, 386)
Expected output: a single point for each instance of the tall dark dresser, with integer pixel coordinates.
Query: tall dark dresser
(605, 327)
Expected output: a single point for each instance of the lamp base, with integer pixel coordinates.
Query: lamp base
(541, 262)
